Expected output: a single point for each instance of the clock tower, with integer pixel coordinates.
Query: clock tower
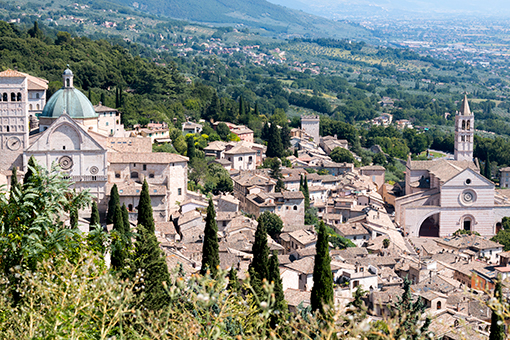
(21, 97)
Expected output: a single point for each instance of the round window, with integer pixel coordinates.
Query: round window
(468, 181)
(468, 197)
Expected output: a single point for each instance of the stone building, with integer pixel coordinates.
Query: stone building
(443, 196)
(22, 96)
(311, 124)
(289, 205)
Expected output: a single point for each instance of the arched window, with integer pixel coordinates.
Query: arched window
(37, 95)
(7, 129)
(463, 125)
(5, 97)
(240, 159)
(468, 124)
(13, 97)
(250, 159)
(439, 305)
(68, 83)
(30, 107)
(38, 106)
(134, 174)
(130, 207)
(18, 97)
(295, 207)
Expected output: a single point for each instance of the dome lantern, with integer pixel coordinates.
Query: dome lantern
(68, 78)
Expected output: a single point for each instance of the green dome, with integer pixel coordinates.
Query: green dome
(70, 100)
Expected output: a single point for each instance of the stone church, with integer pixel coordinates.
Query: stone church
(443, 196)
(92, 149)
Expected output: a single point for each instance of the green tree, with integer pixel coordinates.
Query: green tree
(151, 262)
(118, 254)
(409, 313)
(503, 237)
(233, 281)
(265, 131)
(274, 277)
(112, 203)
(145, 215)
(260, 262)
(191, 151)
(386, 243)
(303, 187)
(341, 155)
(73, 217)
(15, 189)
(210, 249)
(94, 217)
(127, 226)
(273, 223)
(223, 131)
(379, 159)
(497, 331)
(35, 31)
(285, 135)
(274, 143)
(30, 170)
(488, 169)
(322, 291)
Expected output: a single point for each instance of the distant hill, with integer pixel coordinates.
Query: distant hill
(372, 8)
(252, 13)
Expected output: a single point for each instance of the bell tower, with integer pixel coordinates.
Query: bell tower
(464, 132)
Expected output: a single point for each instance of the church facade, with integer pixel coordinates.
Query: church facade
(92, 148)
(443, 196)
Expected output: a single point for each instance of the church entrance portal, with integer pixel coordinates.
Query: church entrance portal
(430, 227)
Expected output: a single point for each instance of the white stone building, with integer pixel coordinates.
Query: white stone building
(311, 124)
(242, 157)
(443, 196)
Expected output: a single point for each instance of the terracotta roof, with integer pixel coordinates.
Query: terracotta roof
(34, 83)
(147, 158)
(303, 236)
(131, 188)
(101, 108)
(239, 149)
(349, 229)
(373, 167)
(469, 241)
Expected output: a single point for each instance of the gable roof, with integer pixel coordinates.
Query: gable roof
(474, 173)
(64, 119)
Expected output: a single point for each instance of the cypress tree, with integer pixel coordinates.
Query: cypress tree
(497, 322)
(265, 129)
(488, 169)
(233, 281)
(127, 225)
(285, 136)
(118, 256)
(29, 173)
(210, 249)
(191, 153)
(15, 186)
(260, 251)
(103, 99)
(117, 103)
(274, 142)
(274, 276)
(306, 193)
(322, 291)
(145, 216)
(73, 217)
(94, 217)
(151, 261)
(112, 203)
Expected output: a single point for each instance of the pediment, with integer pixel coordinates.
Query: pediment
(468, 177)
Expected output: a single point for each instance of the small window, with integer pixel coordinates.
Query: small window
(13, 97)
(7, 128)
(130, 207)
(117, 175)
(151, 175)
(134, 165)
(5, 97)
(37, 95)
(107, 123)
(179, 191)
(144, 167)
(134, 174)
(68, 83)
(240, 159)
(63, 147)
(30, 107)
(18, 97)
(250, 159)
(94, 178)
(295, 207)
(38, 106)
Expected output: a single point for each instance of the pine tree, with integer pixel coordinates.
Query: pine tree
(145, 216)
(29, 173)
(89, 94)
(103, 99)
(117, 102)
(210, 250)
(274, 276)
(150, 261)
(260, 251)
(409, 312)
(118, 256)
(488, 169)
(322, 291)
(274, 143)
(497, 322)
(233, 281)
(127, 226)
(112, 203)
(94, 217)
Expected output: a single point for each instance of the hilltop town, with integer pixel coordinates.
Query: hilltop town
(433, 228)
